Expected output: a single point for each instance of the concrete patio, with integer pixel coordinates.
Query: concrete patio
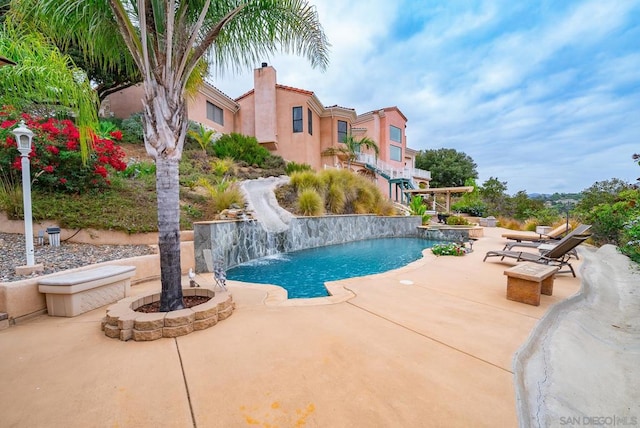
(430, 344)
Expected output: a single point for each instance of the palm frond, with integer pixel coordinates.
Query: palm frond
(45, 76)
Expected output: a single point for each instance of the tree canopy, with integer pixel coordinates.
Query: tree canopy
(449, 168)
(601, 192)
(167, 41)
(44, 78)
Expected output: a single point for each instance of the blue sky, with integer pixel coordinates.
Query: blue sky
(544, 95)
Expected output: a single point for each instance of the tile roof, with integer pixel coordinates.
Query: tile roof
(337, 106)
(292, 89)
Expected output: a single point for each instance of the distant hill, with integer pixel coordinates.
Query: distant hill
(557, 197)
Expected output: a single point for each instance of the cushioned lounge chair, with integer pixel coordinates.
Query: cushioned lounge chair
(559, 255)
(537, 237)
(582, 229)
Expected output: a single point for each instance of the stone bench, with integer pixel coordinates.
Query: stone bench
(75, 293)
(526, 281)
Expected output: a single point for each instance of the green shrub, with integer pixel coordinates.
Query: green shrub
(365, 201)
(386, 208)
(306, 180)
(630, 242)
(608, 220)
(223, 194)
(471, 202)
(296, 167)
(132, 129)
(11, 197)
(221, 167)
(448, 249)
(341, 191)
(201, 135)
(106, 128)
(545, 217)
(335, 199)
(417, 207)
(454, 220)
(275, 162)
(310, 202)
(475, 209)
(139, 169)
(241, 148)
(531, 224)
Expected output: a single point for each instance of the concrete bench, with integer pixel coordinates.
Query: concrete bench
(75, 293)
(526, 281)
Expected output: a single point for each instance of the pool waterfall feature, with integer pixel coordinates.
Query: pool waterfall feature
(239, 241)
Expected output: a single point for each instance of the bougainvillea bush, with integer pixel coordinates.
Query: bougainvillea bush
(56, 160)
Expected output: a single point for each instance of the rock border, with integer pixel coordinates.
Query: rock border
(124, 323)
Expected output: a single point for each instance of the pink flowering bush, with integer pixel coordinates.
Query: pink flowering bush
(56, 161)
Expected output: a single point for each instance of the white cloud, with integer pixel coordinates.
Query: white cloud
(543, 95)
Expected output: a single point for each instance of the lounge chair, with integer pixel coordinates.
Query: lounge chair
(559, 255)
(537, 237)
(582, 229)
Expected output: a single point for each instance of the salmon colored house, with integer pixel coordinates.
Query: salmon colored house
(293, 123)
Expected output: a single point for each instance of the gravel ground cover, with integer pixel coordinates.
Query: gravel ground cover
(54, 259)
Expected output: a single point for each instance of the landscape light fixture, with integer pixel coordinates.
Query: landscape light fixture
(24, 136)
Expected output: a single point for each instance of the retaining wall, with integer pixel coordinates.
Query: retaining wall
(22, 300)
(235, 242)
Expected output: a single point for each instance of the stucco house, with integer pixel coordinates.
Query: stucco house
(294, 124)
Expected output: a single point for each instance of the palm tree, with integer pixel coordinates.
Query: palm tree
(351, 148)
(167, 39)
(203, 136)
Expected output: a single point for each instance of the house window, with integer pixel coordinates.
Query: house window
(395, 134)
(395, 153)
(297, 119)
(309, 122)
(215, 113)
(342, 131)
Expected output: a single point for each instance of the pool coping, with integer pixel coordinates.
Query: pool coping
(277, 295)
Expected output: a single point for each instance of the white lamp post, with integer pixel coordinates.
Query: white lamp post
(24, 136)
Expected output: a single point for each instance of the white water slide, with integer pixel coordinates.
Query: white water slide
(261, 199)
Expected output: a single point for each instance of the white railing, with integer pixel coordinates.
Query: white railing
(336, 166)
(390, 171)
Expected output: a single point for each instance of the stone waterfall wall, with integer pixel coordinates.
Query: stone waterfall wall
(237, 242)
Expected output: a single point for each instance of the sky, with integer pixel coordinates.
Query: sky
(542, 94)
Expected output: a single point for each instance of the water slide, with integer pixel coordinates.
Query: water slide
(261, 199)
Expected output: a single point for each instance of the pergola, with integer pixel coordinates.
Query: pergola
(439, 190)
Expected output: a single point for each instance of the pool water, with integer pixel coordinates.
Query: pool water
(303, 273)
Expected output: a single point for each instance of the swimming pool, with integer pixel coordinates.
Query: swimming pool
(303, 273)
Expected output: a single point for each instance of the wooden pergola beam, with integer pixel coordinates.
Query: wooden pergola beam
(440, 190)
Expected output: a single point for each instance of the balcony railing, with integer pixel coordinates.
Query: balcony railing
(390, 171)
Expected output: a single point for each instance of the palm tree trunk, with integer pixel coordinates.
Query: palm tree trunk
(168, 191)
(165, 130)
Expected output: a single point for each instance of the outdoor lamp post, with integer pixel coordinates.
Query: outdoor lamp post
(24, 136)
